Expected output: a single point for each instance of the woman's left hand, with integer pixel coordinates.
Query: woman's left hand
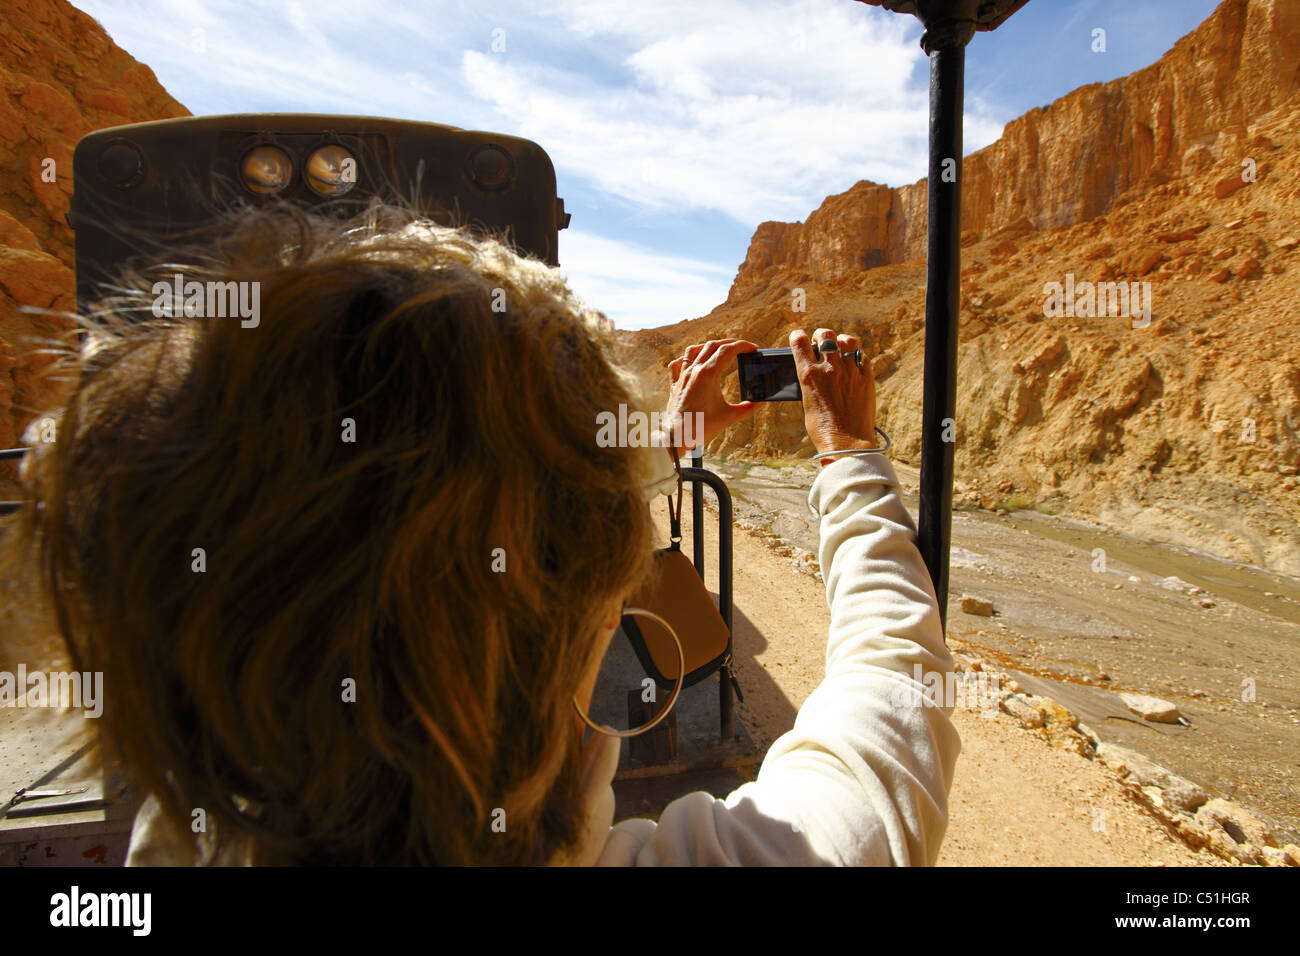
(697, 390)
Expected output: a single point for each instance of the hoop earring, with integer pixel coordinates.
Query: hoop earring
(681, 672)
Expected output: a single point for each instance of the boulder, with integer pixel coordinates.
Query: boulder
(1275, 857)
(1228, 185)
(981, 607)
(1029, 717)
(1151, 708)
(1238, 822)
(1246, 268)
(1224, 845)
(1193, 834)
(1179, 793)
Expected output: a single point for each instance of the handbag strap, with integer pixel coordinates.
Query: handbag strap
(675, 513)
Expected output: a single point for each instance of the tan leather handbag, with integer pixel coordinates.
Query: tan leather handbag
(675, 592)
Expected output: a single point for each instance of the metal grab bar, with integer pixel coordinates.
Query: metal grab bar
(701, 476)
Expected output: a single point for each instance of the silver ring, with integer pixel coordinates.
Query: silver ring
(828, 345)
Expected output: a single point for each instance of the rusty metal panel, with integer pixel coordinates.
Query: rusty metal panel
(137, 186)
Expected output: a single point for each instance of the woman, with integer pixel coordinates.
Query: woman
(346, 568)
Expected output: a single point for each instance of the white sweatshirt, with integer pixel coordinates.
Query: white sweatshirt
(863, 776)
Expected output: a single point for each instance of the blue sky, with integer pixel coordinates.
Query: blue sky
(675, 127)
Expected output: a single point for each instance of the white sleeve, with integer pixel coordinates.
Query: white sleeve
(662, 474)
(863, 776)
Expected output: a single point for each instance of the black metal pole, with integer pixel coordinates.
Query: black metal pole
(697, 512)
(945, 43)
(697, 476)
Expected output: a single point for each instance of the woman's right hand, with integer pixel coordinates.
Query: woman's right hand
(697, 390)
(839, 398)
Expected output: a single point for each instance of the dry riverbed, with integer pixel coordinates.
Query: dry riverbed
(1083, 613)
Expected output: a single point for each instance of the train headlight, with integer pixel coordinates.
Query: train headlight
(266, 170)
(331, 171)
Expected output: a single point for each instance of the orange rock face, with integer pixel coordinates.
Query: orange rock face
(1182, 424)
(62, 77)
(1068, 162)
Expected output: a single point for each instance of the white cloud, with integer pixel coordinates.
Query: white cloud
(637, 287)
(328, 56)
(754, 109)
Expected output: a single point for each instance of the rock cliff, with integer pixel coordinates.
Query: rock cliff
(1183, 178)
(62, 78)
(1070, 161)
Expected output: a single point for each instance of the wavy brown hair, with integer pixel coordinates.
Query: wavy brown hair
(470, 380)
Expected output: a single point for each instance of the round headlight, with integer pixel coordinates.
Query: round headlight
(331, 171)
(121, 163)
(267, 170)
(491, 166)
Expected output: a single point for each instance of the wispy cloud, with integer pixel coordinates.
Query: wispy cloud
(1077, 11)
(755, 109)
(637, 287)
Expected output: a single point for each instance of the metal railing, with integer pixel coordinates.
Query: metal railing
(698, 476)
